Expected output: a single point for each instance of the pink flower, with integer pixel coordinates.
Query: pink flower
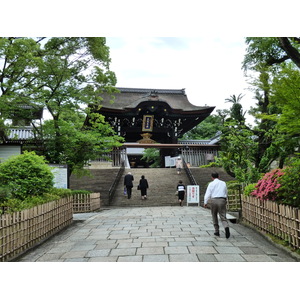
(266, 188)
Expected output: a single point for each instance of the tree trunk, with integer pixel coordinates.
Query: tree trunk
(292, 52)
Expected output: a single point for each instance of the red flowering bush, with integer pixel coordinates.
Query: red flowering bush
(267, 187)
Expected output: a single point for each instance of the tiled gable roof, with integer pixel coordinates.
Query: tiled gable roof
(131, 97)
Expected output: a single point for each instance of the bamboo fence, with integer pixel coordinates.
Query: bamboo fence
(279, 220)
(22, 230)
(86, 203)
(233, 200)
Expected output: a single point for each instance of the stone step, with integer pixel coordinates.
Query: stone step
(162, 184)
(162, 187)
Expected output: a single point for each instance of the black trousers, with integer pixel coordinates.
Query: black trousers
(129, 191)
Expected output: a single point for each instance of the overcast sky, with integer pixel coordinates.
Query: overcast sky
(147, 50)
(208, 68)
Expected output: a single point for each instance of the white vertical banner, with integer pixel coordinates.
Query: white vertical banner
(193, 192)
(167, 161)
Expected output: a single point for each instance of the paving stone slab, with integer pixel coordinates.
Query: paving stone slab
(223, 250)
(50, 257)
(77, 259)
(229, 258)
(206, 258)
(154, 244)
(130, 258)
(123, 252)
(101, 252)
(129, 245)
(257, 258)
(73, 254)
(251, 250)
(177, 250)
(103, 259)
(150, 250)
(156, 258)
(202, 249)
(183, 258)
(182, 243)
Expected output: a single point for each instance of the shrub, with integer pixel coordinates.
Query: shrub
(60, 192)
(82, 192)
(249, 189)
(211, 165)
(289, 190)
(13, 204)
(4, 194)
(267, 187)
(26, 175)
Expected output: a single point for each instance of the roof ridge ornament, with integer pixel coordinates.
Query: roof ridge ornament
(153, 95)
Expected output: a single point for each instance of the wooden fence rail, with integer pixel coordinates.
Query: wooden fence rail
(86, 202)
(234, 200)
(22, 230)
(279, 220)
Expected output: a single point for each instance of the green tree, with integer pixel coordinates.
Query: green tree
(236, 110)
(238, 146)
(289, 190)
(207, 129)
(271, 51)
(249, 151)
(286, 95)
(64, 75)
(275, 60)
(237, 155)
(152, 156)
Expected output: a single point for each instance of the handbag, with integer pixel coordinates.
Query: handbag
(125, 191)
(176, 193)
(138, 187)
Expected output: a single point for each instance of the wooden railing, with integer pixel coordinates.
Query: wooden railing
(115, 183)
(189, 173)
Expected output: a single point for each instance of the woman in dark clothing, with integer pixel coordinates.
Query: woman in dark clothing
(181, 192)
(143, 187)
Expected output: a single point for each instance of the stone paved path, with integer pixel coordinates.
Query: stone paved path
(154, 234)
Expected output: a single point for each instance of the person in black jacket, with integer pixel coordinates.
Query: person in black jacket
(128, 179)
(143, 187)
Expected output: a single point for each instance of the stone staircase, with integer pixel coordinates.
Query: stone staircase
(99, 181)
(162, 183)
(162, 187)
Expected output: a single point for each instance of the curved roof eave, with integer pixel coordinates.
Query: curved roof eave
(129, 98)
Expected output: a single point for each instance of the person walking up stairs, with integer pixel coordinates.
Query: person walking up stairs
(162, 183)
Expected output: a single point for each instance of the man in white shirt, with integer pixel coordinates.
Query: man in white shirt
(216, 197)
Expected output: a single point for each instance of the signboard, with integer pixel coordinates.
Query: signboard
(148, 123)
(60, 173)
(193, 194)
(167, 161)
(170, 161)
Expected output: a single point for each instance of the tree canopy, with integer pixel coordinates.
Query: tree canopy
(247, 151)
(64, 75)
